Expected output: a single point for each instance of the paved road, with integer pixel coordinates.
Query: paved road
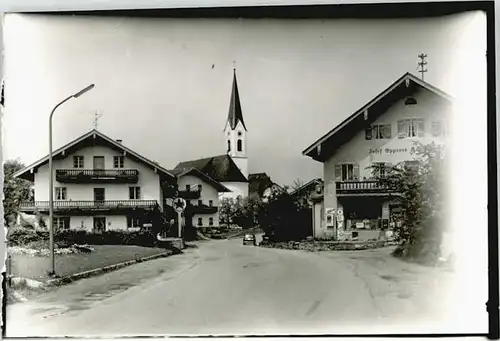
(222, 287)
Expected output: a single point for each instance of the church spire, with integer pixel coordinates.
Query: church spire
(235, 114)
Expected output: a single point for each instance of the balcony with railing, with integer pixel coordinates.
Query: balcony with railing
(190, 193)
(89, 206)
(367, 187)
(130, 176)
(204, 209)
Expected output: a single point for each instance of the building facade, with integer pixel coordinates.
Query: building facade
(202, 197)
(99, 185)
(383, 133)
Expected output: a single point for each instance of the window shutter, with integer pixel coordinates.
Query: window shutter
(338, 172)
(355, 171)
(368, 133)
(131, 193)
(138, 194)
(402, 129)
(387, 131)
(421, 128)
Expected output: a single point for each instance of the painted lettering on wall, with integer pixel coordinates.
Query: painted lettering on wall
(391, 150)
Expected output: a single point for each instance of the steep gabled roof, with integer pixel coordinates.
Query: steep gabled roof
(195, 172)
(220, 168)
(235, 114)
(404, 86)
(93, 137)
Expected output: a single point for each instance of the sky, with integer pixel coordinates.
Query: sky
(163, 85)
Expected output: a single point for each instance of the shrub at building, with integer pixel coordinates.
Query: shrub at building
(423, 199)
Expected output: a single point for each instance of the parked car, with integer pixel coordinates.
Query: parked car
(249, 239)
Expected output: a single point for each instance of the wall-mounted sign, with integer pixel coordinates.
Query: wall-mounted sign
(379, 151)
(330, 212)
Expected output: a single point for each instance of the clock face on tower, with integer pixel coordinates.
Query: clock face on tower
(239, 133)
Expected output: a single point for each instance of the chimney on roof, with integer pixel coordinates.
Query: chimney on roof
(119, 141)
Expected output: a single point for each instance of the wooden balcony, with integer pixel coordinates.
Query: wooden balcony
(122, 176)
(368, 187)
(90, 206)
(204, 209)
(190, 194)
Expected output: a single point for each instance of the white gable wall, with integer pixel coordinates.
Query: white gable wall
(430, 107)
(149, 181)
(208, 192)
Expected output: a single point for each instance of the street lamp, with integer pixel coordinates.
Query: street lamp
(52, 271)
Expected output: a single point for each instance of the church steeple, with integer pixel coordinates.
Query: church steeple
(235, 132)
(235, 114)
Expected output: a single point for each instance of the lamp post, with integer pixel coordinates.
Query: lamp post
(52, 271)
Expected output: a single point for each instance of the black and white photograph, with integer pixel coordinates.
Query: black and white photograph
(170, 175)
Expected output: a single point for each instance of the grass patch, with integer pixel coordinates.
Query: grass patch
(104, 255)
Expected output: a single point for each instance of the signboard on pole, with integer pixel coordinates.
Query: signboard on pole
(179, 206)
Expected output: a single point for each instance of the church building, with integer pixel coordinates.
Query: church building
(230, 169)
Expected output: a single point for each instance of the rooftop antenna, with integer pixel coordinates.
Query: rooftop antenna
(422, 63)
(97, 116)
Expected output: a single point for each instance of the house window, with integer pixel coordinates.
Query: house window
(380, 170)
(134, 193)
(200, 202)
(61, 223)
(240, 145)
(211, 221)
(78, 161)
(228, 146)
(99, 162)
(378, 132)
(413, 127)
(99, 194)
(133, 221)
(199, 188)
(200, 221)
(61, 193)
(347, 172)
(118, 161)
(210, 203)
(439, 129)
(188, 188)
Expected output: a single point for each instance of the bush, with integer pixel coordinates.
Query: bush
(423, 201)
(140, 238)
(22, 236)
(64, 238)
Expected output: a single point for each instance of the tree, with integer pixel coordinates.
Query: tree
(301, 195)
(422, 196)
(15, 190)
(281, 218)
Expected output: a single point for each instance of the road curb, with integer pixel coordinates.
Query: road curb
(109, 268)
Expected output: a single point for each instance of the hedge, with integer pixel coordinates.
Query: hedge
(17, 237)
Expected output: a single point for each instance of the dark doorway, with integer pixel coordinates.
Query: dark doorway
(99, 224)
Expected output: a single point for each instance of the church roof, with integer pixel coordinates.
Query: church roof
(235, 114)
(221, 168)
